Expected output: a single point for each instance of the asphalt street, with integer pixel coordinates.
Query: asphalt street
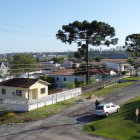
(67, 125)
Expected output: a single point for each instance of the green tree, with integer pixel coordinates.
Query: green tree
(50, 80)
(22, 63)
(58, 60)
(97, 59)
(87, 33)
(132, 45)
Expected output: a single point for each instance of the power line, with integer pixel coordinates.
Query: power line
(23, 32)
(25, 27)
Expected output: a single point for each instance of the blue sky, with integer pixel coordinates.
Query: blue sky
(31, 25)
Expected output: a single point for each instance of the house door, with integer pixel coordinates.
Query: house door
(34, 94)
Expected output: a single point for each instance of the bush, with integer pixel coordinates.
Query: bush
(10, 115)
(123, 72)
(69, 85)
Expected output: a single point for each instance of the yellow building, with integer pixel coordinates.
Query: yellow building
(23, 88)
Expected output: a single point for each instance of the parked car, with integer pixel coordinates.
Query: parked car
(106, 109)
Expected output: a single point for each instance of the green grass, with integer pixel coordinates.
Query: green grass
(121, 126)
(133, 78)
(108, 90)
(39, 113)
(49, 110)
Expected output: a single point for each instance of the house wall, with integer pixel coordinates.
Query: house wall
(67, 64)
(38, 86)
(11, 92)
(69, 78)
(118, 67)
(113, 65)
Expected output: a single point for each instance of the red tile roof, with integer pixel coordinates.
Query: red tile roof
(100, 71)
(64, 72)
(19, 82)
(97, 71)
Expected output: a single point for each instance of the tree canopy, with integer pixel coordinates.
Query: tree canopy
(87, 33)
(50, 80)
(97, 33)
(132, 44)
(22, 63)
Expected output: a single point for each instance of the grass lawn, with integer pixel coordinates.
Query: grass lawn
(49, 110)
(133, 78)
(39, 113)
(108, 90)
(121, 126)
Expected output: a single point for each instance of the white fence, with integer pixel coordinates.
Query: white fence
(25, 105)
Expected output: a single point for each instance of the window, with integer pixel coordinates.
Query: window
(19, 92)
(1, 101)
(64, 78)
(3, 91)
(57, 78)
(107, 106)
(42, 90)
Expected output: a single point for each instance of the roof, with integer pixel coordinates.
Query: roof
(120, 56)
(64, 72)
(100, 71)
(19, 82)
(75, 60)
(117, 61)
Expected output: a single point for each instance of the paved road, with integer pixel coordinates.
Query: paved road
(67, 125)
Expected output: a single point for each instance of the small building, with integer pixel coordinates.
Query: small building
(66, 76)
(70, 63)
(23, 88)
(117, 64)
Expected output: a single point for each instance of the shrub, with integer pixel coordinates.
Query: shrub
(10, 115)
(123, 72)
(69, 85)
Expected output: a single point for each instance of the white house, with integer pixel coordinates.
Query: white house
(65, 76)
(33, 75)
(68, 63)
(118, 64)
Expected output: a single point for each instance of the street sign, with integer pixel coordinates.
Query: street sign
(137, 111)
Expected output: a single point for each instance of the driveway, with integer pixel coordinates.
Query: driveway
(67, 125)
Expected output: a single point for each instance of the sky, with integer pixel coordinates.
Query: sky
(31, 25)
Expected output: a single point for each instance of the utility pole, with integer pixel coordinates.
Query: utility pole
(28, 86)
(87, 62)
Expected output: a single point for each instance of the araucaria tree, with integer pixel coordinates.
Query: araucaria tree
(132, 45)
(87, 33)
